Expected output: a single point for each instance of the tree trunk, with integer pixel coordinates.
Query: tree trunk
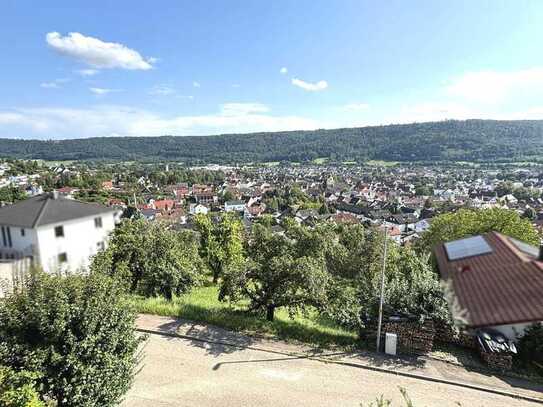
(215, 276)
(168, 293)
(270, 311)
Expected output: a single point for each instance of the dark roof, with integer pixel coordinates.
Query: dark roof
(502, 287)
(45, 209)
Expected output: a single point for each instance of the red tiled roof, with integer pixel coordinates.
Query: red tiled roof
(498, 288)
(164, 204)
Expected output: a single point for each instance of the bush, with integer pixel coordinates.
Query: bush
(17, 389)
(76, 332)
(530, 346)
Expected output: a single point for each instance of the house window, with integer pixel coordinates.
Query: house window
(100, 246)
(23, 232)
(8, 229)
(4, 240)
(62, 258)
(98, 222)
(59, 231)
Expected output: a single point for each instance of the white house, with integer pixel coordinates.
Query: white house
(197, 209)
(234, 206)
(57, 233)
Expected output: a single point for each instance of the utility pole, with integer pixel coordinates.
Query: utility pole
(380, 321)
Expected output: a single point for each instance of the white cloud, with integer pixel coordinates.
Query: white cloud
(196, 84)
(104, 120)
(54, 84)
(356, 107)
(10, 118)
(103, 91)
(283, 70)
(88, 72)
(312, 87)
(434, 111)
(495, 87)
(161, 90)
(97, 53)
(49, 85)
(237, 109)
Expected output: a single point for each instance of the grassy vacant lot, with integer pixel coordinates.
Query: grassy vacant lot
(202, 305)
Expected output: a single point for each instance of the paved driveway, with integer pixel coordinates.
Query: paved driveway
(182, 372)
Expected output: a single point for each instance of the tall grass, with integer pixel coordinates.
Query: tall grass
(202, 305)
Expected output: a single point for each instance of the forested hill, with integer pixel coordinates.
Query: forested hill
(471, 140)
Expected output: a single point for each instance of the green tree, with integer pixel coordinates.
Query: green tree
(11, 194)
(411, 287)
(530, 214)
(76, 332)
(151, 259)
(280, 272)
(221, 242)
(423, 190)
(470, 222)
(324, 210)
(531, 346)
(228, 195)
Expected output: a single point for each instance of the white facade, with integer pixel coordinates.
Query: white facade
(77, 241)
(235, 206)
(198, 209)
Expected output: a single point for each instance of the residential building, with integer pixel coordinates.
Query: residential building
(497, 282)
(234, 206)
(57, 233)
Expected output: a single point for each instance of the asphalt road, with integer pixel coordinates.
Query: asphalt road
(181, 372)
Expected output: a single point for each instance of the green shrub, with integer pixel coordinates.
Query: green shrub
(76, 332)
(531, 346)
(17, 389)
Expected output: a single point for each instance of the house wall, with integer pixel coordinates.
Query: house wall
(232, 208)
(512, 331)
(80, 241)
(21, 245)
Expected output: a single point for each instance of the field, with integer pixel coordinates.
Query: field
(381, 163)
(202, 305)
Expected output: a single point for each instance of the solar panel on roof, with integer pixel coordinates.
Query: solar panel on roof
(525, 247)
(472, 246)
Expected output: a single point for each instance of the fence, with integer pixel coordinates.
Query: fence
(12, 274)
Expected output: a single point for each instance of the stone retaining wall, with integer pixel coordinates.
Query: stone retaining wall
(498, 361)
(448, 335)
(413, 337)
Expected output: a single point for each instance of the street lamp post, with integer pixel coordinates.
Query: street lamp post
(381, 295)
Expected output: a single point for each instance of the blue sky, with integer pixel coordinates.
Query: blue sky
(102, 68)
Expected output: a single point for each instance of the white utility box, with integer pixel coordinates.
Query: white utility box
(391, 341)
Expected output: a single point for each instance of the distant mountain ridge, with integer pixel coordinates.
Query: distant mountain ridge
(452, 140)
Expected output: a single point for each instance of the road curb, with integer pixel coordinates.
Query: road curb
(352, 364)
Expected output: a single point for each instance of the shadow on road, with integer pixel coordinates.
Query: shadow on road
(308, 356)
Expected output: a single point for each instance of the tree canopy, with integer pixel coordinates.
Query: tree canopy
(471, 222)
(451, 140)
(151, 259)
(281, 271)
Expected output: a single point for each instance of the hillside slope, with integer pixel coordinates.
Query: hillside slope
(471, 140)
